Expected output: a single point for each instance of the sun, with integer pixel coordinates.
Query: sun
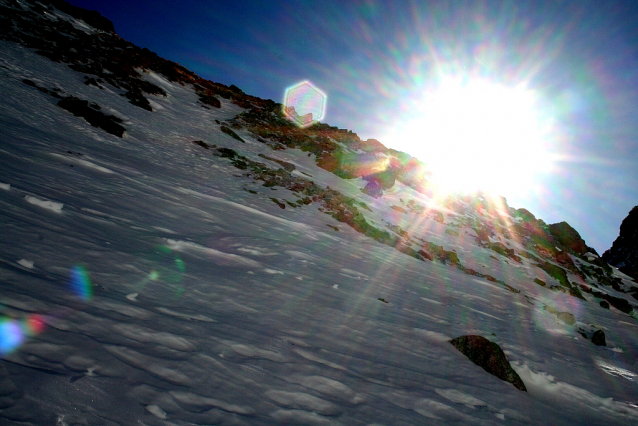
(474, 134)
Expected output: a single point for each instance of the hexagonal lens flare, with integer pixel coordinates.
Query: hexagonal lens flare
(304, 104)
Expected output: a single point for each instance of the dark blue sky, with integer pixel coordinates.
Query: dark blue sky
(372, 56)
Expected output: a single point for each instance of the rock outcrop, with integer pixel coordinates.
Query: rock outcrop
(568, 237)
(92, 114)
(489, 356)
(623, 254)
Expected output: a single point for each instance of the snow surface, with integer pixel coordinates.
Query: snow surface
(212, 305)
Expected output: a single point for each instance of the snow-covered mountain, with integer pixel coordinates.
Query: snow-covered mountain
(176, 252)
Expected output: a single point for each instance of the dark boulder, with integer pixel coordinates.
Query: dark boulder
(623, 254)
(619, 303)
(599, 338)
(202, 144)
(540, 282)
(489, 356)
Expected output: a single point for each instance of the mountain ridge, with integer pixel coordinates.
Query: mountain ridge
(102, 98)
(624, 251)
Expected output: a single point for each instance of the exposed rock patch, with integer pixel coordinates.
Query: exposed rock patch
(489, 356)
(286, 165)
(231, 133)
(202, 144)
(136, 97)
(92, 114)
(567, 318)
(208, 99)
(568, 237)
(623, 254)
(82, 108)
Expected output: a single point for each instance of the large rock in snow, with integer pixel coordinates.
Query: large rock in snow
(489, 356)
(599, 338)
(623, 254)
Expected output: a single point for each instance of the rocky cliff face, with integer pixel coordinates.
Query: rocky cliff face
(624, 252)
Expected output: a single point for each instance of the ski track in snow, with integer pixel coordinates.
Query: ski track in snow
(211, 306)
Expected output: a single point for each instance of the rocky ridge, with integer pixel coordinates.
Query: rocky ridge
(420, 222)
(623, 254)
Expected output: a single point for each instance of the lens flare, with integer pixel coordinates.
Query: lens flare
(81, 282)
(304, 104)
(34, 324)
(11, 335)
(14, 332)
(167, 268)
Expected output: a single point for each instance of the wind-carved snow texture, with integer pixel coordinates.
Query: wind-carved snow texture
(211, 304)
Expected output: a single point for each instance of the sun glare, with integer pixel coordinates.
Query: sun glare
(477, 135)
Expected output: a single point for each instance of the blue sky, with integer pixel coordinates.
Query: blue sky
(375, 59)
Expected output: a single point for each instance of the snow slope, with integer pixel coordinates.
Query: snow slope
(145, 280)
